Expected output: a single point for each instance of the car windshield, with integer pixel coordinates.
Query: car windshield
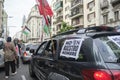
(109, 48)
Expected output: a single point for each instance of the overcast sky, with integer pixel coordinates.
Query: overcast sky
(16, 9)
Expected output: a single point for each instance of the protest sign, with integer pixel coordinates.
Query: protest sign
(71, 48)
(115, 39)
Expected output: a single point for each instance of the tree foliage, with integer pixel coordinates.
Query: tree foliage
(65, 27)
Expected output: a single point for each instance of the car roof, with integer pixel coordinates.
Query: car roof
(93, 32)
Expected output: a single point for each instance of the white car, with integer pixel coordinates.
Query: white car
(25, 54)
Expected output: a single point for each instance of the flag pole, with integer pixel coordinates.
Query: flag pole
(51, 37)
(44, 13)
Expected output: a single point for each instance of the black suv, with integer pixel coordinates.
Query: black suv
(88, 54)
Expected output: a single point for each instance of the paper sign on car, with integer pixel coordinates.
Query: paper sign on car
(71, 48)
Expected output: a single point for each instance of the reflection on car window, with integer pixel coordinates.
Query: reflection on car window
(109, 50)
(49, 49)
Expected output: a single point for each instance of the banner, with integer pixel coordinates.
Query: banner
(71, 48)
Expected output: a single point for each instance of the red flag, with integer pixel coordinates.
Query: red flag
(44, 8)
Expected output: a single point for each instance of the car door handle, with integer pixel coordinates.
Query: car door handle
(50, 65)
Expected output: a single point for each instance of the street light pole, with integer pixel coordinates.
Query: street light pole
(6, 27)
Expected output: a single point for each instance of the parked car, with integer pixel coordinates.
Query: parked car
(89, 54)
(25, 53)
(2, 41)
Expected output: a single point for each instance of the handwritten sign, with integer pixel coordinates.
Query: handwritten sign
(71, 48)
(115, 39)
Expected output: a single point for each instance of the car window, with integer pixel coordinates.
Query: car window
(82, 51)
(41, 48)
(49, 50)
(109, 50)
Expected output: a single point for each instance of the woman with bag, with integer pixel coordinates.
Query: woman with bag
(10, 57)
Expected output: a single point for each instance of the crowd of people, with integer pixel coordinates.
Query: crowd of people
(11, 56)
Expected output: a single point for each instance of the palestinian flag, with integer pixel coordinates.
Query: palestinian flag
(26, 30)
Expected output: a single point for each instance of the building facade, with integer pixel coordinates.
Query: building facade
(69, 11)
(91, 13)
(5, 33)
(1, 17)
(77, 13)
(110, 12)
(34, 23)
(57, 6)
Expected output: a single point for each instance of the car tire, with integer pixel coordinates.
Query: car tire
(31, 72)
(23, 61)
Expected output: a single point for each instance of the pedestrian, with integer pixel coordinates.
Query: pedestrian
(17, 46)
(10, 57)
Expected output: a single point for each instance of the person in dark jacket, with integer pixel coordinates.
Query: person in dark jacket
(10, 57)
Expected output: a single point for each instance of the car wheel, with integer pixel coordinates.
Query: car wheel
(23, 61)
(31, 72)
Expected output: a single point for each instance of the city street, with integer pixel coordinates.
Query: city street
(22, 74)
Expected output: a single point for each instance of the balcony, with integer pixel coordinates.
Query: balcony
(58, 21)
(77, 23)
(58, 6)
(76, 3)
(76, 13)
(60, 15)
(104, 5)
(115, 2)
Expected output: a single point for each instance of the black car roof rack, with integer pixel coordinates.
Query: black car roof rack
(87, 30)
(66, 33)
(96, 29)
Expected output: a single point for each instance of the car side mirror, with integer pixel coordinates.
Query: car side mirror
(32, 51)
(27, 49)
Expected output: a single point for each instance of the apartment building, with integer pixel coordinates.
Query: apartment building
(86, 13)
(57, 6)
(110, 12)
(91, 13)
(1, 12)
(34, 23)
(62, 12)
(77, 13)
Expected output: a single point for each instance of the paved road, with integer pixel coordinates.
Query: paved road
(22, 74)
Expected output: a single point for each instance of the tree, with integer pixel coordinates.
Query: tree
(65, 27)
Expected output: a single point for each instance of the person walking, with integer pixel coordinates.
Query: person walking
(10, 57)
(17, 50)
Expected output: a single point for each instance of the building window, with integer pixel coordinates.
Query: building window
(76, 21)
(66, 8)
(74, 2)
(91, 16)
(66, 16)
(58, 27)
(91, 5)
(116, 15)
(105, 18)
